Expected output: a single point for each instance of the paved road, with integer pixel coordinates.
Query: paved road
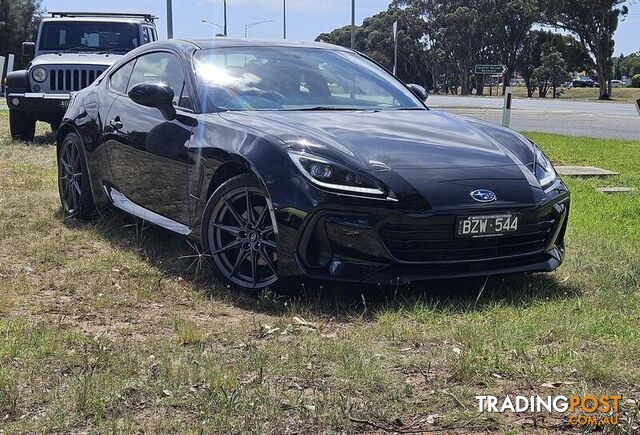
(577, 118)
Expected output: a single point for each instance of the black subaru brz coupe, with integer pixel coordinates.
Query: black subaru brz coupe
(306, 159)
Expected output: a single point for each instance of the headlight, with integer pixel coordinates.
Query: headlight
(39, 74)
(333, 176)
(543, 169)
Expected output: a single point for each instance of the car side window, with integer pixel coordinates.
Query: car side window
(120, 79)
(162, 67)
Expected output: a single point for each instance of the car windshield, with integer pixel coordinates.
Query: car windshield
(284, 78)
(88, 36)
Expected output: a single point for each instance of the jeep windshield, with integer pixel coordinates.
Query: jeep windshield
(80, 36)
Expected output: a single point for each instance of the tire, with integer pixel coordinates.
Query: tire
(55, 125)
(22, 127)
(73, 179)
(241, 246)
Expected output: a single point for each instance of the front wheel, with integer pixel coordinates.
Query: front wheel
(22, 127)
(73, 179)
(238, 234)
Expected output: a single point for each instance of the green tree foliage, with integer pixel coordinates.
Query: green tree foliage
(375, 38)
(447, 38)
(635, 81)
(18, 23)
(630, 65)
(510, 22)
(594, 23)
(551, 73)
(539, 41)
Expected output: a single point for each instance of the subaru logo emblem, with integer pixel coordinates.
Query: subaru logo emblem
(483, 195)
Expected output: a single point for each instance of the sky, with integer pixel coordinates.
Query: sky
(306, 19)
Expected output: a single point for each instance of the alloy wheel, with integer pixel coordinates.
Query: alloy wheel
(242, 238)
(70, 177)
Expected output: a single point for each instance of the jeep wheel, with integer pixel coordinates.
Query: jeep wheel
(22, 127)
(55, 125)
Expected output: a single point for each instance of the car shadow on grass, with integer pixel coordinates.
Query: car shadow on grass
(177, 256)
(41, 140)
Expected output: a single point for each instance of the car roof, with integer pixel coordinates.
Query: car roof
(222, 42)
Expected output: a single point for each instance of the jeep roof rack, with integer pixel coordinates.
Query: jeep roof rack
(147, 17)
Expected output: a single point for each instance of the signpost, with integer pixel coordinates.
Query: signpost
(490, 70)
(498, 70)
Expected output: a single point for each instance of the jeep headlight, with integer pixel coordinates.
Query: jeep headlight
(39, 74)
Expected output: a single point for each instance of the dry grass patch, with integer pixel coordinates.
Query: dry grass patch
(105, 326)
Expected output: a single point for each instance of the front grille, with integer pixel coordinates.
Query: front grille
(433, 240)
(72, 79)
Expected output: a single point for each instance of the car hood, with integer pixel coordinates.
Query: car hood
(76, 59)
(397, 140)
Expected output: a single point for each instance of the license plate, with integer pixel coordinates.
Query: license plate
(487, 226)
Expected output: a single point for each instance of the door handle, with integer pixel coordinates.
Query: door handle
(116, 123)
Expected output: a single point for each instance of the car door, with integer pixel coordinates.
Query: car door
(148, 157)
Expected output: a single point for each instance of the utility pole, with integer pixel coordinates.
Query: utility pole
(225, 17)
(353, 23)
(169, 20)
(250, 25)
(284, 18)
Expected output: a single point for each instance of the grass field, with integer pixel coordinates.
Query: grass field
(620, 95)
(112, 327)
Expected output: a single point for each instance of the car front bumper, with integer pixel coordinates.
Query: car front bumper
(373, 245)
(38, 102)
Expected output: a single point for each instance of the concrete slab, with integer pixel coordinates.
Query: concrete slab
(614, 190)
(584, 171)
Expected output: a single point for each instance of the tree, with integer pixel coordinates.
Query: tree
(510, 23)
(594, 23)
(538, 42)
(18, 23)
(375, 38)
(630, 65)
(551, 73)
(529, 58)
(342, 36)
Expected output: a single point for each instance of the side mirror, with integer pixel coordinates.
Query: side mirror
(155, 94)
(28, 49)
(419, 91)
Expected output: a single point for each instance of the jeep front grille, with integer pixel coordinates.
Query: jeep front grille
(72, 79)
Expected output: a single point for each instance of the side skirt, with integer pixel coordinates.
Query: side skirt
(119, 200)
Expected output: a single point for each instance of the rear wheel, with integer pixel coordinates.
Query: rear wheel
(73, 179)
(22, 126)
(238, 234)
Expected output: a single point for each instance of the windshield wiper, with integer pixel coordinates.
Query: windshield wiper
(113, 50)
(79, 48)
(307, 109)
